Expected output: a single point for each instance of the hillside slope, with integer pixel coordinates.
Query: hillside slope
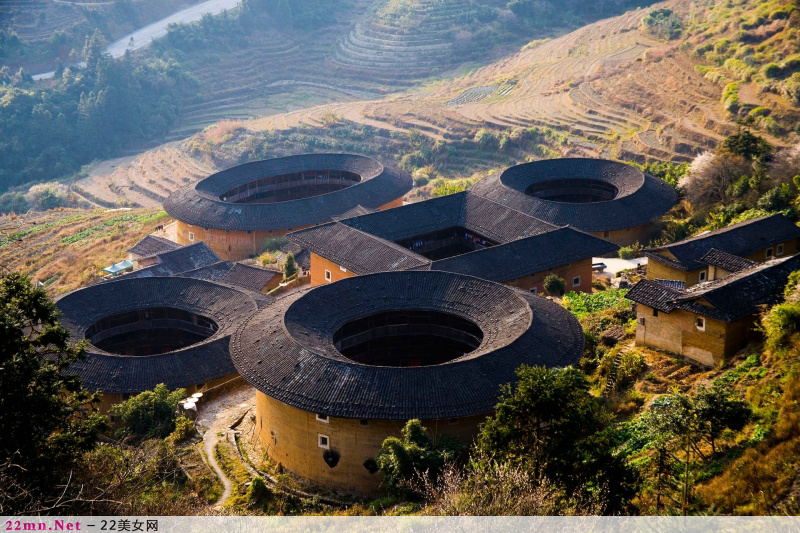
(612, 88)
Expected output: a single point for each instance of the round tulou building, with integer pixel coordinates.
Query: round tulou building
(147, 331)
(340, 367)
(235, 210)
(607, 199)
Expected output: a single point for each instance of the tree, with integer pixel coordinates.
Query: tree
(710, 177)
(550, 423)
(554, 285)
(404, 461)
(44, 411)
(289, 267)
(718, 410)
(150, 413)
(747, 145)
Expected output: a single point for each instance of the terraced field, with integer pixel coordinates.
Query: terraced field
(611, 89)
(65, 249)
(142, 181)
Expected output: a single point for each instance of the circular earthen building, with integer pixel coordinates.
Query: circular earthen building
(607, 199)
(153, 330)
(341, 367)
(234, 211)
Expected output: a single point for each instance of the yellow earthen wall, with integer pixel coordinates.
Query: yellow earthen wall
(238, 245)
(582, 268)
(290, 437)
(676, 332)
(627, 236)
(318, 267)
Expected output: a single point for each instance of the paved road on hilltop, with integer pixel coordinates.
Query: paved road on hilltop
(144, 36)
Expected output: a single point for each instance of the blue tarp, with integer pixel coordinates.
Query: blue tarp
(119, 267)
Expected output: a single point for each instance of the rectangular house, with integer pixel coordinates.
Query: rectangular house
(756, 240)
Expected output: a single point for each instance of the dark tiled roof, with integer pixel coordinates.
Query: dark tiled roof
(464, 209)
(731, 298)
(249, 277)
(640, 197)
(209, 359)
(527, 256)
(726, 261)
(201, 205)
(740, 239)
(301, 256)
(152, 245)
(183, 259)
(289, 355)
(212, 272)
(527, 245)
(356, 250)
(675, 284)
(357, 211)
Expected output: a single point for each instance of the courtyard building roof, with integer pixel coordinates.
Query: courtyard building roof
(294, 350)
(592, 195)
(288, 192)
(740, 240)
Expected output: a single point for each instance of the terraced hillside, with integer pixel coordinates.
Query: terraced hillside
(65, 249)
(613, 89)
(142, 181)
(368, 50)
(401, 44)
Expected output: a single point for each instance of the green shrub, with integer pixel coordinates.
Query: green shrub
(630, 252)
(258, 493)
(772, 71)
(781, 323)
(554, 285)
(791, 285)
(775, 199)
(274, 244)
(150, 413)
(730, 97)
(184, 429)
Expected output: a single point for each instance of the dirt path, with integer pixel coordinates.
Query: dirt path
(214, 420)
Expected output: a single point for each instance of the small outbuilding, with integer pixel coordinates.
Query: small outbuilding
(708, 321)
(712, 254)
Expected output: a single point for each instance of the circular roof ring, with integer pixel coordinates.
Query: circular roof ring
(589, 194)
(152, 330)
(358, 348)
(287, 192)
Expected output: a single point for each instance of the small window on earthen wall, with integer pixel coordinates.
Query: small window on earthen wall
(700, 323)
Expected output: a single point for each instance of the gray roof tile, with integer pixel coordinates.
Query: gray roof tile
(286, 350)
(202, 206)
(640, 197)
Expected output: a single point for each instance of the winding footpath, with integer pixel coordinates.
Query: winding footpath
(145, 35)
(214, 421)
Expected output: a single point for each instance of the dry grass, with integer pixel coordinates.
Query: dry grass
(65, 249)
